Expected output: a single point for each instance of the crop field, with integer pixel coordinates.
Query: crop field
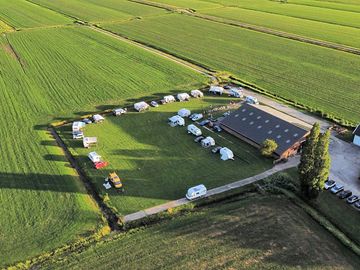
(5, 27)
(322, 79)
(159, 163)
(99, 11)
(259, 232)
(76, 69)
(23, 14)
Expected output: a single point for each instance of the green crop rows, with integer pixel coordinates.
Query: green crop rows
(322, 79)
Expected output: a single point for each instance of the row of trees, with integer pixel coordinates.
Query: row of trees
(314, 167)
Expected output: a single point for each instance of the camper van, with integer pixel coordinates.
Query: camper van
(236, 92)
(196, 192)
(192, 129)
(251, 100)
(176, 120)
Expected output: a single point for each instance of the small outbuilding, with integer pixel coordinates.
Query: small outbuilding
(94, 157)
(77, 126)
(169, 99)
(196, 93)
(216, 90)
(141, 106)
(89, 141)
(226, 154)
(183, 97)
(184, 113)
(176, 120)
(356, 134)
(207, 142)
(98, 118)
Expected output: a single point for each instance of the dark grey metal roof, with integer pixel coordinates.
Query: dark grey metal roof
(357, 131)
(258, 125)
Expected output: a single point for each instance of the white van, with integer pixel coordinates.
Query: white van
(192, 129)
(196, 192)
(251, 100)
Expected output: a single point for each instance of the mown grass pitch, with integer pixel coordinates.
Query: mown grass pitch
(322, 79)
(158, 163)
(48, 74)
(259, 232)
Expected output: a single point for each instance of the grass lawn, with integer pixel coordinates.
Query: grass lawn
(320, 78)
(54, 73)
(258, 232)
(157, 162)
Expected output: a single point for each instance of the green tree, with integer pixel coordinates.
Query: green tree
(268, 147)
(322, 164)
(307, 160)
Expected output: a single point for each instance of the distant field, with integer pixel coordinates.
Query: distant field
(159, 163)
(43, 205)
(320, 78)
(253, 233)
(98, 11)
(23, 14)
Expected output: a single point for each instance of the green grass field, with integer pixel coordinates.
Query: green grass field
(44, 205)
(159, 163)
(320, 78)
(99, 11)
(258, 232)
(4, 27)
(23, 14)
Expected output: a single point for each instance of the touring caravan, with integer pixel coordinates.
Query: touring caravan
(192, 129)
(196, 192)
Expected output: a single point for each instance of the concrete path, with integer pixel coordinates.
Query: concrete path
(163, 207)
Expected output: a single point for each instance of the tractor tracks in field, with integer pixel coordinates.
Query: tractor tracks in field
(110, 216)
(262, 29)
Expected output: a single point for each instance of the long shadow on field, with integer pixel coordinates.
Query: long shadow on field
(40, 182)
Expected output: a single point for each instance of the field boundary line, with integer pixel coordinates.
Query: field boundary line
(234, 185)
(256, 28)
(110, 216)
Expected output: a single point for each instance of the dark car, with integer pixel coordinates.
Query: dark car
(217, 128)
(204, 122)
(198, 139)
(345, 194)
(357, 204)
(227, 87)
(352, 199)
(216, 149)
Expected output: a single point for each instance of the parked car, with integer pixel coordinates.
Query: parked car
(216, 149)
(204, 122)
(198, 139)
(329, 184)
(357, 204)
(192, 116)
(197, 117)
(78, 135)
(352, 199)
(87, 121)
(345, 194)
(337, 188)
(154, 103)
(217, 128)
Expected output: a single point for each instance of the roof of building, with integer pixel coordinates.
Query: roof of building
(357, 131)
(258, 125)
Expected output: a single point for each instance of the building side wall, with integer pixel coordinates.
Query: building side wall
(356, 140)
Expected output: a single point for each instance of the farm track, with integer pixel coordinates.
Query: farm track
(110, 216)
(256, 28)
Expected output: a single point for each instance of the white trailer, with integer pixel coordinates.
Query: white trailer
(141, 106)
(226, 154)
(119, 111)
(94, 157)
(196, 192)
(207, 142)
(98, 118)
(183, 97)
(89, 141)
(176, 120)
(216, 90)
(169, 99)
(192, 129)
(78, 126)
(196, 93)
